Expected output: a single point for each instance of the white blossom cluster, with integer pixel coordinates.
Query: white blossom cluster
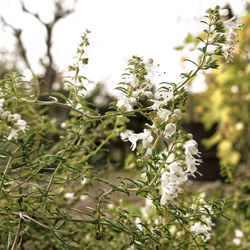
(145, 136)
(129, 101)
(177, 173)
(204, 228)
(230, 26)
(14, 121)
(126, 100)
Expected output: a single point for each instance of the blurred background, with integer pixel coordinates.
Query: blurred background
(41, 36)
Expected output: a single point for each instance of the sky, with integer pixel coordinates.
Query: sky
(119, 30)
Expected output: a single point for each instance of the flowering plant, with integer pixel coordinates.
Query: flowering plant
(42, 163)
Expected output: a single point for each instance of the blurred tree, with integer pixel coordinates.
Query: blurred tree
(51, 73)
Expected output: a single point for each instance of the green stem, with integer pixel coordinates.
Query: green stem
(17, 234)
(99, 117)
(7, 166)
(201, 64)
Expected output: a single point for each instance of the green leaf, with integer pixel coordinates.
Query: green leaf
(59, 224)
(179, 48)
(60, 95)
(189, 38)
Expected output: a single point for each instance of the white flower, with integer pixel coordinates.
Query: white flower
(237, 241)
(146, 137)
(201, 228)
(148, 94)
(133, 139)
(238, 233)
(165, 198)
(21, 125)
(69, 195)
(125, 135)
(170, 130)
(63, 125)
(171, 181)
(13, 134)
(177, 174)
(178, 113)
(164, 114)
(156, 105)
(229, 47)
(126, 102)
(167, 96)
(14, 118)
(191, 148)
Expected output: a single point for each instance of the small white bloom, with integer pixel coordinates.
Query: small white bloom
(156, 105)
(126, 102)
(69, 195)
(178, 113)
(170, 130)
(63, 125)
(148, 94)
(146, 137)
(13, 134)
(14, 118)
(200, 228)
(21, 125)
(191, 148)
(133, 139)
(164, 114)
(125, 135)
(237, 241)
(238, 233)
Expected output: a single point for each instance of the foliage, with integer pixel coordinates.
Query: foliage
(226, 104)
(47, 167)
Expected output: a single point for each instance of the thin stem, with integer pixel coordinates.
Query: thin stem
(17, 234)
(99, 117)
(158, 172)
(203, 57)
(195, 241)
(33, 217)
(7, 166)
